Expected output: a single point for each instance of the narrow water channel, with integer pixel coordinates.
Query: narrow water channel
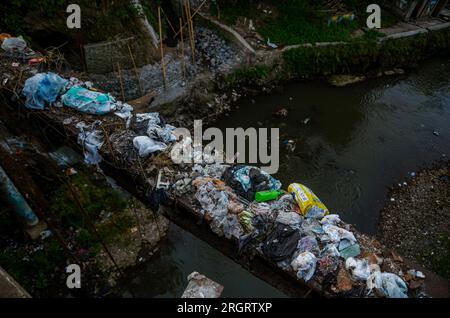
(358, 141)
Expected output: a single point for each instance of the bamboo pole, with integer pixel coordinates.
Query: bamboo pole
(135, 70)
(183, 62)
(191, 29)
(120, 81)
(193, 15)
(188, 17)
(168, 21)
(162, 47)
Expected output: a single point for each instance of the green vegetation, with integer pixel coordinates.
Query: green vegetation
(364, 56)
(100, 20)
(99, 201)
(295, 21)
(247, 76)
(38, 266)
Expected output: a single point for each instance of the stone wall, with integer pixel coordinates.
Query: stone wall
(103, 57)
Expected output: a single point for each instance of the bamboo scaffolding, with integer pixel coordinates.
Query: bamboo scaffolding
(135, 70)
(193, 15)
(189, 25)
(162, 47)
(120, 81)
(183, 62)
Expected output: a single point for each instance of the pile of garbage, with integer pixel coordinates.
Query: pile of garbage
(152, 134)
(292, 228)
(17, 47)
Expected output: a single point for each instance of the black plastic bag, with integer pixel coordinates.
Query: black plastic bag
(281, 243)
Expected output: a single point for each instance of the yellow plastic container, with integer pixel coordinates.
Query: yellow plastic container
(307, 200)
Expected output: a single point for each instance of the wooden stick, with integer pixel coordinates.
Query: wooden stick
(193, 15)
(191, 29)
(183, 62)
(120, 80)
(135, 70)
(186, 7)
(168, 21)
(162, 47)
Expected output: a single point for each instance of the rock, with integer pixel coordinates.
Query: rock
(201, 286)
(344, 80)
(344, 281)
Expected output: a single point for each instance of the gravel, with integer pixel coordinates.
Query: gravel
(416, 219)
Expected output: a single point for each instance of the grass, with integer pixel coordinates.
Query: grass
(247, 75)
(35, 265)
(297, 21)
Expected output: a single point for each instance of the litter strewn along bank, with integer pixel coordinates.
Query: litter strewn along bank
(298, 236)
(415, 220)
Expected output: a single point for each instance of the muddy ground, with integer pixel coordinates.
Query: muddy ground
(416, 220)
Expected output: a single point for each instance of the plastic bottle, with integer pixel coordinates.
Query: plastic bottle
(264, 196)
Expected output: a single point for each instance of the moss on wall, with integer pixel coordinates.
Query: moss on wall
(365, 56)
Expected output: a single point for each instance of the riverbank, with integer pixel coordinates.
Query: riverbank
(416, 219)
(219, 225)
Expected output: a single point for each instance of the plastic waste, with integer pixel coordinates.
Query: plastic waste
(330, 250)
(147, 145)
(247, 180)
(231, 226)
(387, 284)
(87, 101)
(65, 156)
(271, 44)
(312, 227)
(308, 244)
(245, 218)
(359, 268)
(281, 243)
(91, 140)
(336, 234)
(290, 218)
(156, 128)
(11, 44)
(305, 265)
(264, 196)
(332, 219)
(350, 251)
(310, 205)
(4, 36)
(42, 88)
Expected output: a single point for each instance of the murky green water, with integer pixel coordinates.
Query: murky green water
(182, 254)
(359, 141)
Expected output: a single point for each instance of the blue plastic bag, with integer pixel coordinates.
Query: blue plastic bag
(41, 88)
(87, 101)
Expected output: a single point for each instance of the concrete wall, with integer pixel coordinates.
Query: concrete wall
(103, 57)
(9, 288)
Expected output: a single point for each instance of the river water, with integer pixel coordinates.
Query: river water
(357, 141)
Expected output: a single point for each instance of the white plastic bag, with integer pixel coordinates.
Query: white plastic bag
(359, 268)
(305, 265)
(388, 285)
(146, 145)
(336, 234)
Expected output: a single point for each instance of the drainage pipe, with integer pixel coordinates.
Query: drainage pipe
(14, 197)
